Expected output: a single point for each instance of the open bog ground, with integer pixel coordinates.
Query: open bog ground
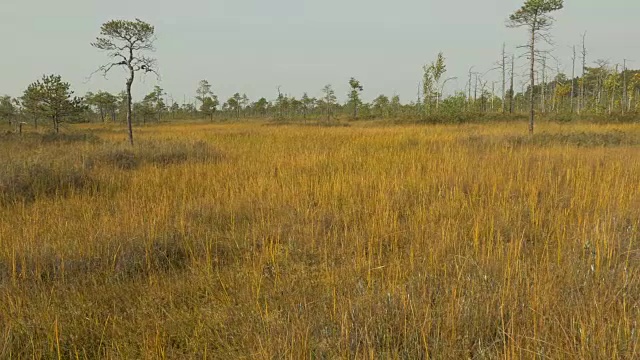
(289, 242)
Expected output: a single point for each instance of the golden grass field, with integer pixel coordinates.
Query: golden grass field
(255, 241)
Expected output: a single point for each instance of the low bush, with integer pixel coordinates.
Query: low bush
(69, 138)
(121, 260)
(582, 139)
(50, 138)
(156, 153)
(27, 181)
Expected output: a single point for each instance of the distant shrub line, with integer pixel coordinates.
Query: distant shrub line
(48, 177)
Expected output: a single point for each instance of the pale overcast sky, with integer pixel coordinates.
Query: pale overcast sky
(251, 46)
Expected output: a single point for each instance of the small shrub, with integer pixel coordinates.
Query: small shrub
(163, 254)
(25, 182)
(581, 139)
(69, 138)
(562, 118)
(123, 159)
(31, 139)
(155, 153)
(179, 153)
(119, 262)
(613, 118)
(332, 124)
(462, 117)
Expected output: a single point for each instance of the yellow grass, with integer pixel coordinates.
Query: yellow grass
(361, 242)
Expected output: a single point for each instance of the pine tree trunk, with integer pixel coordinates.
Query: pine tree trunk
(511, 89)
(504, 79)
(532, 111)
(129, 106)
(573, 77)
(328, 112)
(623, 101)
(584, 67)
(543, 86)
(469, 97)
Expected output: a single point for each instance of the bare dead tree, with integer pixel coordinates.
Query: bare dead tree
(504, 77)
(543, 85)
(534, 15)
(126, 42)
(584, 70)
(511, 89)
(573, 76)
(623, 102)
(469, 88)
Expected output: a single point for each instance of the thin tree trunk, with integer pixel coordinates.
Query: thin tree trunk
(511, 89)
(419, 101)
(599, 97)
(523, 102)
(129, 115)
(504, 78)
(469, 97)
(584, 67)
(328, 112)
(623, 102)
(543, 85)
(613, 92)
(612, 100)
(573, 77)
(475, 90)
(554, 98)
(493, 92)
(532, 111)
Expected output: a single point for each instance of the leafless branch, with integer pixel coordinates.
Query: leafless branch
(104, 69)
(119, 55)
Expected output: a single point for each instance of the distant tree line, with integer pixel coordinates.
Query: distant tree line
(593, 89)
(604, 90)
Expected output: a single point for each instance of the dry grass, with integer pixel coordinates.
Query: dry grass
(290, 242)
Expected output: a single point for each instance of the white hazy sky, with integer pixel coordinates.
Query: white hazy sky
(251, 46)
